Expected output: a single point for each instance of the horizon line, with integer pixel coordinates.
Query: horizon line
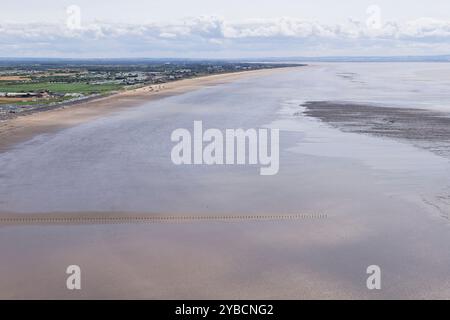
(447, 56)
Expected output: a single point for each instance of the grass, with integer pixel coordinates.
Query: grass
(34, 102)
(77, 87)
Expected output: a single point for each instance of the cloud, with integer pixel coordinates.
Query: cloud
(211, 36)
(168, 35)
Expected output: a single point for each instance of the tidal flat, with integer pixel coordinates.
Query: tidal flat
(363, 199)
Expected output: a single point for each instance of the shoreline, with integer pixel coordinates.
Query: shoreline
(426, 129)
(26, 126)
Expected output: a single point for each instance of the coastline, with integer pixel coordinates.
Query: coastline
(24, 127)
(426, 129)
(107, 198)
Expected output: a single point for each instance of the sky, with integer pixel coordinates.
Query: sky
(223, 28)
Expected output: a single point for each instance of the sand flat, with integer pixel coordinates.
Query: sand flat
(26, 126)
(428, 129)
(371, 189)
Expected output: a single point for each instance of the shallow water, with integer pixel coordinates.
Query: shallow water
(122, 162)
(381, 198)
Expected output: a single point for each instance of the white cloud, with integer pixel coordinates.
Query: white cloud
(212, 36)
(168, 35)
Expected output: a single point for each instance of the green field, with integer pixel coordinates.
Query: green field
(77, 87)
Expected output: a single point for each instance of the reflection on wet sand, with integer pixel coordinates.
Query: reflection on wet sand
(370, 189)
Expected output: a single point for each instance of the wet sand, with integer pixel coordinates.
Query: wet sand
(427, 129)
(87, 218)
(370, 189)
(27, 125)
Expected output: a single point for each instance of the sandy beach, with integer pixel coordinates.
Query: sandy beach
(350, 192)
(26, 126)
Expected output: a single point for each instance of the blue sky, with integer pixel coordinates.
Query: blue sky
(223, 29)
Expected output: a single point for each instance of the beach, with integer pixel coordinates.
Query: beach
(57, 117)
(357, 186)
